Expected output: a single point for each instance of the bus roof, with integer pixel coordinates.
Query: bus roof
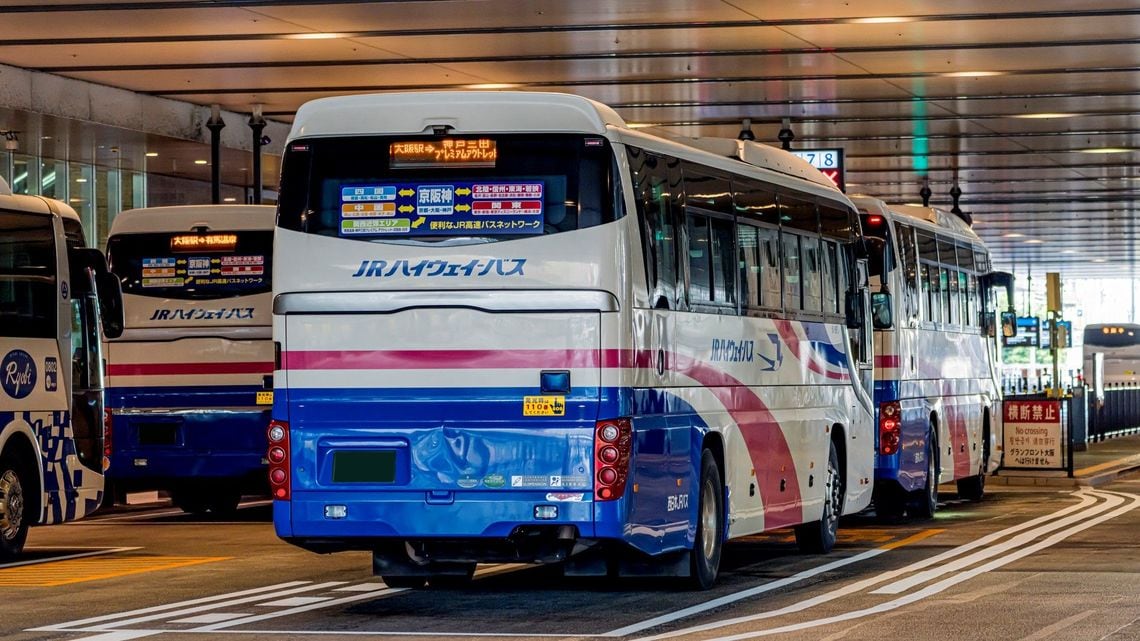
(464, 111)
(188, 217)
(34, 204)
(943, 220)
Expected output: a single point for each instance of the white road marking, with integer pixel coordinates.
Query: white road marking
(80, 555)
(294, 601)
(941, 585)
(169, 606)
(361, 587)
(1015, 542)
(1085, 501)
(212, 617)
(743, 594)
(1050, 631)
(301, 608)
(121, 635)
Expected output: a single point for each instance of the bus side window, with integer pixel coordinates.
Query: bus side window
(813, 296)
(790, 244)
(830, 279)
(770, 258)
(748, 249)
(700, 282)
(908, 252)
(724, 263)
(655, 199)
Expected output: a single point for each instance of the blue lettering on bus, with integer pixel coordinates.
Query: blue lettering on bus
(732, 351)
(225, 313)
(439, 268)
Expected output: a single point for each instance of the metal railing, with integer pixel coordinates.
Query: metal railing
(1116, 414)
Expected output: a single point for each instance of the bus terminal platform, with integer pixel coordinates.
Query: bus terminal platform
(1099, 463)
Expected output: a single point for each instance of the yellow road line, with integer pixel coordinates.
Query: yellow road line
(914, 538)
(56, 573)
(1121, 462)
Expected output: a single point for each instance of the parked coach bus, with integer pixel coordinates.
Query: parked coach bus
(55, 297)
(1120, 345)
(190, 379)
(513, 329)
(937, 357)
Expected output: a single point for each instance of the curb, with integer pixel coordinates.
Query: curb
(1045, 480)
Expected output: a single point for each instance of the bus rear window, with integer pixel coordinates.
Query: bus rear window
(434, 188)
(189, 266)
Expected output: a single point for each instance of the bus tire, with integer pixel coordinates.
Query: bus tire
(15, 482)
(708, 544)
(890, 503)
(819, 537)
(973, 488)
(214, 501)
(924, 503)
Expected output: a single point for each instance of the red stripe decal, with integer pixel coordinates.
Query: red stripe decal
(767, 447)
(440, 359)
(174, 369)
(804, 352)
(887, 361)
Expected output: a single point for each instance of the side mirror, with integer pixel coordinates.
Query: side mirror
(110, 304)
(881, 314)
(1008, 324)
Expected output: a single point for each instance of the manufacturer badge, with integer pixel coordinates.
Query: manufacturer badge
(18, 373)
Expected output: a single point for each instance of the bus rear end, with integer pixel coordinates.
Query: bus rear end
(190, 380)
(445, 305)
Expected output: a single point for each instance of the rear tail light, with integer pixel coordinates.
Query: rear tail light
(278, 455)
(890, 427)
(107, 419)
(613, 442)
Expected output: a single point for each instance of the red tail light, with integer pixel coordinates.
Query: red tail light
(278, 455)
(613, 442)
(107, 418)
(890, 427)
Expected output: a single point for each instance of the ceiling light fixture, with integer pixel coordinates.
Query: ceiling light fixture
(229, 199)
(1069, 251)
(152, 154)
(493, 85)
(1043, 116)
(201, 162)
(1034, 241)
(1098, 260)
(319, 35)
(972, 74)
(881, 20)
(1012, 234)
(1106, 150)
(640, 125)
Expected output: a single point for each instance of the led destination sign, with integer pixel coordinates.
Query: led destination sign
(203, 242)
(448, 152)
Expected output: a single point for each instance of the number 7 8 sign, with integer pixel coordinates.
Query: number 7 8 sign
(827, 161)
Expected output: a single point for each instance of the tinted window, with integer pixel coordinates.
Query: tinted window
(655, 179)
(792, 281)
(700, 278)
(927, 246)
(770, 260)
(830, 277)
(359, 188)
(755, 201)
(27, 276)
(798, 214)
(173, 265)
(965, 257)
(835, 223)
(706, 189)
(908, 253)
(811, 269)
(724, 263)
(748, 249)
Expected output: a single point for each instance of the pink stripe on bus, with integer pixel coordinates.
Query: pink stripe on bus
(440, 359)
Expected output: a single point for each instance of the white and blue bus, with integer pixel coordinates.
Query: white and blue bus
(1119, 345)
(190, 380)
(937, 356)
(57, 299)
(512, 329)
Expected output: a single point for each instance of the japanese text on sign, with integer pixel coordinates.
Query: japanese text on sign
(1033, 434)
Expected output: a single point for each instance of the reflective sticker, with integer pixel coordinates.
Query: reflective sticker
(544, 406)
(566, 497)
(494, 481)
(265, 397)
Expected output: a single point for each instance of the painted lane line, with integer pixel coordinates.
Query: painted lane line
(231, 602)
(294, 601)
(859, 586)
(1050, 631)
(211, 617)
(121, 635)
(169, 606)
(80, 555)
(981, 555)
(296, 610)
(761, 589)
(941, 586)
(362, 587)
(398, 633)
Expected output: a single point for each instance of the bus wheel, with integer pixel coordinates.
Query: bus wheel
(925, 501)
(406, 582)
(14, 520)
(453, 581)
(819, 537)
(890, 503)
(704, 559)
(973, 488)
(215, 501)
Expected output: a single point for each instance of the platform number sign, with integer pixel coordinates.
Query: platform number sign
(827, 161)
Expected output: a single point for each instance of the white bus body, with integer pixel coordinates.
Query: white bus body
(190, 378)
(543, 359)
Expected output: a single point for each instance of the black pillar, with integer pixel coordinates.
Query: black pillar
(256, 126)
(215, 124)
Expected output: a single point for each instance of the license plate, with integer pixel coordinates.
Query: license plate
(364, 466)
(544, 406)
(264, 398)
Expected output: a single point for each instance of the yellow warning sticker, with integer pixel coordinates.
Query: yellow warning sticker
(544, 406)
(265, 397)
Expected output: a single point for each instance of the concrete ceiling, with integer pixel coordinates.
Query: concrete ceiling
(953, 91)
